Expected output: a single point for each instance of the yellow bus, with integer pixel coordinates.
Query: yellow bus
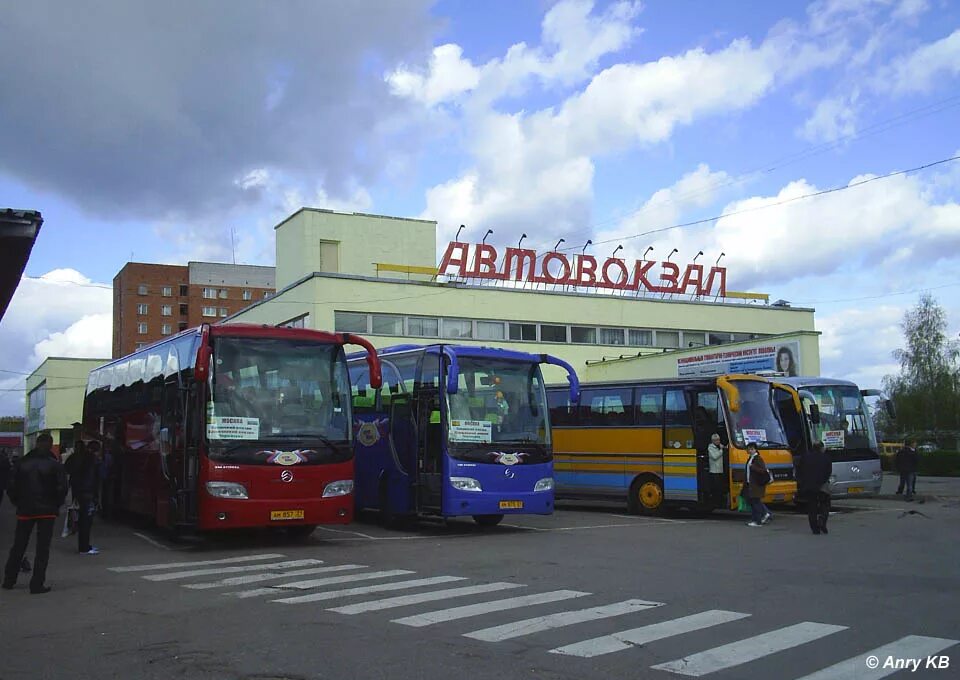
(646, 440)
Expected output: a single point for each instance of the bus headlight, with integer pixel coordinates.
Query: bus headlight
(465, 484)
(227, 490)
(545, 484)
(338, 488)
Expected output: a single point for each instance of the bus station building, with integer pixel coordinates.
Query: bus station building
(55, 392)
(379, 276)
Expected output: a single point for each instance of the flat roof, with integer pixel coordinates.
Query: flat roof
(351, 214)
(520, 291)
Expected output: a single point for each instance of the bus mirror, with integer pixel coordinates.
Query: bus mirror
(202, 369)
(814, 414)
(890, 408)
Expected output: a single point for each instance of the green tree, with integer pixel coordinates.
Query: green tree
(926, 392)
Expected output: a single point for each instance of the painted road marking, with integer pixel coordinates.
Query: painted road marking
(430, 596)
(256, 578)
(749, 649)
(909, 647)
(231, 570)
(559, 620)
(364, 590)
(320, 582)
(200, 563)
(455, 613)
(616, 642)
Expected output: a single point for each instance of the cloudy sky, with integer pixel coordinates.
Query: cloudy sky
(149, 131)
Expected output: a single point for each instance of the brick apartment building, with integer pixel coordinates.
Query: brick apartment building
(152, 301)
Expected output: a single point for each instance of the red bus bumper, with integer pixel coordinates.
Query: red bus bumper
(221, 513)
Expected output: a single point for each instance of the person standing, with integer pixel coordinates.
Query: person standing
(38, 487)
(815, 486)
(717, 478)
(908, 461)
(757, 477)
(84, 470)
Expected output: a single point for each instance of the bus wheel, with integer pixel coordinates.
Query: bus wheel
(488, 520)
(301, 532)
(646, 496)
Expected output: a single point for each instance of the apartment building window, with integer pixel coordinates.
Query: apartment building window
(182, 326)
(142, 328)
(210, 293)
(184, 308)
(223, 311)
(142, 308)
(140, 345)
(184, 290)
(490, 330)
(350, 322)
(387, 324)
(209, 311)
(142, 289)
(457, 328)
(523, 331)
(166, 329)
(639, 338)
(247, 295)
(166, 291)
(224, 293)
(551, 333)
(583, 335)
(166, 310)
(422, 327)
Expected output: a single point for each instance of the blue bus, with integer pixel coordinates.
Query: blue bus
(454, 430)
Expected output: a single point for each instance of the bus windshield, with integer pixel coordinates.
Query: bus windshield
(269, 388)
(845, 422)
(498, 402)
(756, 421)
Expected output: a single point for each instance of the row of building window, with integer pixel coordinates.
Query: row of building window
(167, 310)
(398, 325)
(165, 329)
(208, 293)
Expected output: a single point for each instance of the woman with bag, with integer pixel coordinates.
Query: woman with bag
(757, 477)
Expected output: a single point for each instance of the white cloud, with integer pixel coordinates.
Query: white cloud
(832, 119)
(575, 39)
(62, 313)
(909, 10)
(926, 67)
(89, 336)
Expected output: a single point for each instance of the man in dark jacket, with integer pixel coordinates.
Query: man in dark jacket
(908, 461)
(84, 470)
(4, 472)
(815, 470)
(38, 486)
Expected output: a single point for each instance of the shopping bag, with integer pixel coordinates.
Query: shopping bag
(743, 505)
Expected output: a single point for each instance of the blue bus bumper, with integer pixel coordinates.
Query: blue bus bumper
(496, 503)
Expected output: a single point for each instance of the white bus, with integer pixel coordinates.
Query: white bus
(837, 415)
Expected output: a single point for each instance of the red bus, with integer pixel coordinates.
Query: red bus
(230, 426)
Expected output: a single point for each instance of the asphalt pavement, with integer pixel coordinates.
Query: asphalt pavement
(589, 592)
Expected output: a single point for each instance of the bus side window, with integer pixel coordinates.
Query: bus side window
(678, 431)
(649, 402)
(560, 411)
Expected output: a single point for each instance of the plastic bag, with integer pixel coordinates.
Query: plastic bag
(743, 505)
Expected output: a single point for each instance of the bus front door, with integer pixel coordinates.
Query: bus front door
(430, 436)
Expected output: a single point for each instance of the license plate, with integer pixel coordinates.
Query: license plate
(286, 514)
(854, 489)
(511, 505)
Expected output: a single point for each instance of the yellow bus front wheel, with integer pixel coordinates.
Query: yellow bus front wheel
(646, 496)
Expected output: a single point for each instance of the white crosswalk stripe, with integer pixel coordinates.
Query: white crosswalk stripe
(537, 624)
(431, 596)
(749, 649)
(366, 590)
(257, 578)
(199, 563)
(231, 570)
(909, 647)
(640, 636)
(469, 610)
(319, 582)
